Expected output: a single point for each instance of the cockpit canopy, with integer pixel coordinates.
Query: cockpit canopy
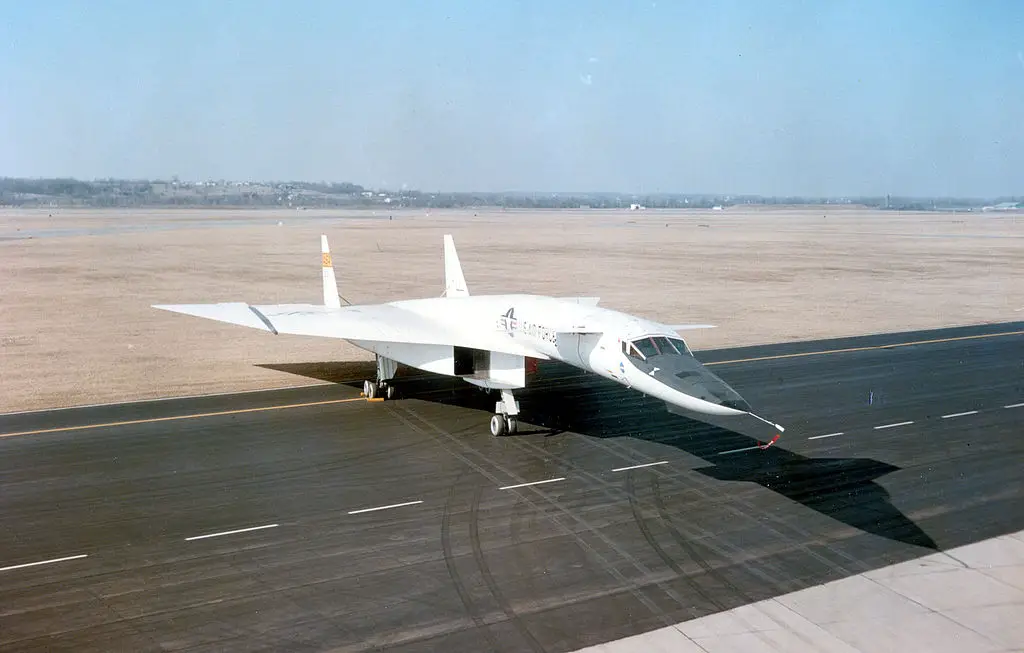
(648, 346)
(669, 361)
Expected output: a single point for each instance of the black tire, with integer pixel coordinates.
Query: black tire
(498, 426)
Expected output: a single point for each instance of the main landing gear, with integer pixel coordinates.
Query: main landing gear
(379, 390)
(382, 387)
(504, 421)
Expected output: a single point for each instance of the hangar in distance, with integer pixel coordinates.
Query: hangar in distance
(492, 341)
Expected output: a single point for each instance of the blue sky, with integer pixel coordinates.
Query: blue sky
(832, 98)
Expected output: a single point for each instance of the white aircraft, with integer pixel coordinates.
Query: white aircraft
(492, 340)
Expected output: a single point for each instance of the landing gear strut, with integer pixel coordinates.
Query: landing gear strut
(504, 421)
(382, 387)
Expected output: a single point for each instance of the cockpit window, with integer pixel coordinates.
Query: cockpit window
(629, 350)
(664, 346)
(657, 346)
(681, 346)
(646, 347)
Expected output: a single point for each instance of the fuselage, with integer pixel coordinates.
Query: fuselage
(641, 354)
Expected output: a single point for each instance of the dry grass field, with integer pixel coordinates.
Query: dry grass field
(76, 324)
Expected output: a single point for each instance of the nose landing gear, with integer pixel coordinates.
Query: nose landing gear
(504, 421)
(503, 425)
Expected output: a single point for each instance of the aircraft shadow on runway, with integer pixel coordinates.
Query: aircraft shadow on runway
(561, 398)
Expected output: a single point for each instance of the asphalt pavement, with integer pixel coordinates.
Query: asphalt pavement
(311, 519)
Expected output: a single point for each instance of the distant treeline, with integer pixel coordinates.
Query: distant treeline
(298, 194)
(72, 192)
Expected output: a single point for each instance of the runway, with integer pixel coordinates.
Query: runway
(309, 519)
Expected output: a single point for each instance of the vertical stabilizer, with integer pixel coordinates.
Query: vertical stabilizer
(331, 297)
(454, 282)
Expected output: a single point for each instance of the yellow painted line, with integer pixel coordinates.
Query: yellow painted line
(851, 349)
(153, 420)
(832, 351)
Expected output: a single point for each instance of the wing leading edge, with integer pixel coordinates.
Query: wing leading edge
(379, 322)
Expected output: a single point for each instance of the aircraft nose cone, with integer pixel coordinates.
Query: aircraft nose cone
(687, 375)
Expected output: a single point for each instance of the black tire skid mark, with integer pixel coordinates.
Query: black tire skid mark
(460, 587)
(691, 551)
(609, 488)
(451, 444)
(778, 527)
(703, 488)
(635, 500)
(709, 570)
(642, 525)
(485, 572)
(534, 451)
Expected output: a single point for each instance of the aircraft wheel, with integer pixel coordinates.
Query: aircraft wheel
(370, 389)
(511, 425)
(390, 392)
(498, 426)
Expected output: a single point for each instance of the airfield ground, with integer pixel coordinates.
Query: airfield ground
(308, 519)
(77, 285)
